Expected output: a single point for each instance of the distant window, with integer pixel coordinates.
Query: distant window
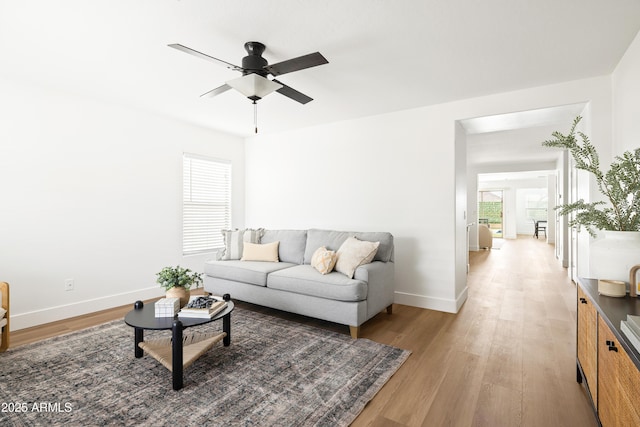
(536, 204)
(206, 203)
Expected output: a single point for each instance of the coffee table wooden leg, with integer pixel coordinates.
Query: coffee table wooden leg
(138, 338)
(176, 357)
(226, 327)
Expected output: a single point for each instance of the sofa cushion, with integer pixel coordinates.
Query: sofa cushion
(354, 253)
(304, 279)
(324, 260)
(385, 250)
(292, 243)
(253, 272)
(332, 240)
(260, 252)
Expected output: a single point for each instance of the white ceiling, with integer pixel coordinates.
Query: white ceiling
(501, 177)
(516, 138)
(552, 116)
(384, 55)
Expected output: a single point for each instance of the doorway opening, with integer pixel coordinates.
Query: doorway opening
(490, 209)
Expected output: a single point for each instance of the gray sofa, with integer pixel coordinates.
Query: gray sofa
(293, 285)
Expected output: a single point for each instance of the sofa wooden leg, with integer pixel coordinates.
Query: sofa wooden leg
(355, 331)
(390, 309)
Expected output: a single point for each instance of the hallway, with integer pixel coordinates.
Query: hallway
(507, 359)
(521, 314)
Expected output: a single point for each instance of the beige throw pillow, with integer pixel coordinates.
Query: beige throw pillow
(256, 252)
(324, 260)
(354, 253)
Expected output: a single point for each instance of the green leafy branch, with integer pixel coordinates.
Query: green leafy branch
(620, 185)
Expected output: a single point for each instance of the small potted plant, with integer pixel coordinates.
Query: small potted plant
(177, 281)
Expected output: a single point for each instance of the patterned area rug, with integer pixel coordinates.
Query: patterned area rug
(274, 373)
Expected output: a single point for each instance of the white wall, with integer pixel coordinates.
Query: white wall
(373, 174)
(552, 194)
(461, 259)
(92, 191)
(394, 172)
(626, 100)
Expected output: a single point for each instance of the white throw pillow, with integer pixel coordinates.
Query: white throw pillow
(354, 253)
(2, 312)
(256, 252)
(324, 260)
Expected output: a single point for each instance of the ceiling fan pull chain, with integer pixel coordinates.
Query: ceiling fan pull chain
(255, 115)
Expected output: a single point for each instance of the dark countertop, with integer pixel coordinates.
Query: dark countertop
(613, 310)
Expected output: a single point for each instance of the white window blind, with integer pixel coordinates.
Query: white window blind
(206, 206)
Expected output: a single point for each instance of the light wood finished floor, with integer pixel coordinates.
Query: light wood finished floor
(506, 359)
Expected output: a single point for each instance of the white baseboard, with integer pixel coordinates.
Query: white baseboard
(431, 303)
(462, 298)
(52, 314)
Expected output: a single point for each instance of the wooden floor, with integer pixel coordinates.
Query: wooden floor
(506, 359)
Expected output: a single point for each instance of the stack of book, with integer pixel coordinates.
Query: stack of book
(203, 307)
(631, 329)
(167, 307)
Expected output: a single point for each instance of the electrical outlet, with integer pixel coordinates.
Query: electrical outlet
(68, 285)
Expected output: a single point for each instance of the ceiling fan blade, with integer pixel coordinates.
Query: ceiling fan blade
(295, 64)
(292, 93)
(205, 56)
(217, 91)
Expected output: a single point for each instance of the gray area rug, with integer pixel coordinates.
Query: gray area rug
(274, 373)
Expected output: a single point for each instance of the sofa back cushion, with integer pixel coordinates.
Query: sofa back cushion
(292, 244)
(332, 240)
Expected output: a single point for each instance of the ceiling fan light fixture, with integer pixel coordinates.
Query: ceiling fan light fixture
(254, 86)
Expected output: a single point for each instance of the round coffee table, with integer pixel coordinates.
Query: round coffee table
(143, 317)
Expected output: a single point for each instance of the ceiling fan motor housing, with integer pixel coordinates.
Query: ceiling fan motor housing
(254, 62)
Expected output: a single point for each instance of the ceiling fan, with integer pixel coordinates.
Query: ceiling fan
(254, 83)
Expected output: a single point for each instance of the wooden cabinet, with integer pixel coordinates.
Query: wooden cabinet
(606, 359)
(618, 382)
(587, 343)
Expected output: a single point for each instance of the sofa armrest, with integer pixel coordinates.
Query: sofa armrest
(380, 277)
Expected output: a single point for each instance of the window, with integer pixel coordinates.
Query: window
(206, 203)
(536, 203)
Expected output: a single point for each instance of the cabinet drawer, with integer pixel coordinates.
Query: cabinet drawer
(618, 382)
(587, 343)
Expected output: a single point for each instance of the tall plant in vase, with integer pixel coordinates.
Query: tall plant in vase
(618, 217)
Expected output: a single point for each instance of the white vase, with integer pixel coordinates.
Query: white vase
(612, 256)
